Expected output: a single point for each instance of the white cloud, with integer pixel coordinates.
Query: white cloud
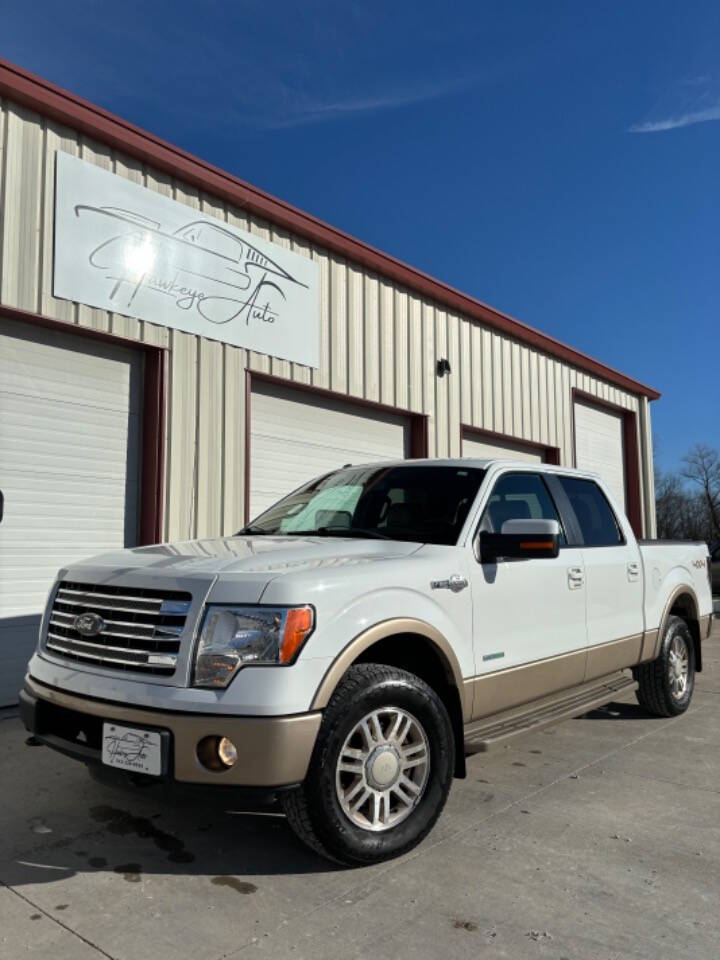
(681, 120)
(321, 112)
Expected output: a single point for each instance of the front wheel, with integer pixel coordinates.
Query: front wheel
(380, 771)
(667, 683)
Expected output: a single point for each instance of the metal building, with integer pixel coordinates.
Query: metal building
(178, 349)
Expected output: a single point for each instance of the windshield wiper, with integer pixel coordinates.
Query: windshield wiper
(356, 532)
(334, 532)
(317, 532)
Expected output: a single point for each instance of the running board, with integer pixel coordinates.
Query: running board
(485, 733)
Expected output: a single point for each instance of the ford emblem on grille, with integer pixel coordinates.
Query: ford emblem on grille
(89, 624)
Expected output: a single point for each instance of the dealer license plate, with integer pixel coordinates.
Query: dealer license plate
(131, 749)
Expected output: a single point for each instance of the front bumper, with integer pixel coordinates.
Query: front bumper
(272, 751)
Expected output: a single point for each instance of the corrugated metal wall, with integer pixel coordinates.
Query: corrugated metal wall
(378, 341)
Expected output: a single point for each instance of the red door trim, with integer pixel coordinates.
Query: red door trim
(39, 320)
(152, 445)
(153, 448)
(549, 453)
(418, 421)
(631, 453)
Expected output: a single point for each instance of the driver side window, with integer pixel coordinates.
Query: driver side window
(519, 496)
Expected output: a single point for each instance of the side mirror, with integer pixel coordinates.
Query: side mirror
(521, 540)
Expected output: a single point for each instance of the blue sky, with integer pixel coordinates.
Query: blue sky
(559, 160)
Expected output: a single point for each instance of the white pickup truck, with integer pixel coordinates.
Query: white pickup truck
(349, 647)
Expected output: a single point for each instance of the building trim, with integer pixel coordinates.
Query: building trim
(152, 444)
(418, 422)
(49, 100)
(631, 454)
(152, 472)
(549, 453)
(51, 323)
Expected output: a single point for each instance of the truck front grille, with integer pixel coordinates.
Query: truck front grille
(121, 628)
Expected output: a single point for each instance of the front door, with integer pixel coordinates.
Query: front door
(529, 627)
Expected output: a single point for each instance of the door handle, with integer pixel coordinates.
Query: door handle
(576, 577)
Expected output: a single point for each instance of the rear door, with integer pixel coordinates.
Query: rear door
(613, 577)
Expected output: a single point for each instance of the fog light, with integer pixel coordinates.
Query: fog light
(217, 753)
(227, 751)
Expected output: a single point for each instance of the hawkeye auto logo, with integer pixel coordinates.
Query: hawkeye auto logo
(124, 248)
(139, 255)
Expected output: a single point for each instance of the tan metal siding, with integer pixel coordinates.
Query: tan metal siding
(378, 341)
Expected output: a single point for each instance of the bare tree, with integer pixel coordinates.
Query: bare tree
(680, 513)
(702, 468)
(688, 502)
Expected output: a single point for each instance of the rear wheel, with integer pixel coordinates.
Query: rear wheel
(380, 771)
(667, 683)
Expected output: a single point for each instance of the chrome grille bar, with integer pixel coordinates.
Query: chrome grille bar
(63, 619)
(54, 637)
(103, 605)
(68, 651)
(94, 596)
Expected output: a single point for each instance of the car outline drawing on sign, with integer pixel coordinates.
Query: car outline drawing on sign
(146, 257)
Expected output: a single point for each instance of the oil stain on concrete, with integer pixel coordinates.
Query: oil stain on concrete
(123, 824)
(240, 886)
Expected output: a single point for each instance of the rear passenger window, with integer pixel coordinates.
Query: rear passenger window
(519, 496)
(594, 514)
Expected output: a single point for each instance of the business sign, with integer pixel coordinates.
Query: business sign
(124, 248)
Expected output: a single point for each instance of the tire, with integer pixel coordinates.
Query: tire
(413, 740)
(661, 691)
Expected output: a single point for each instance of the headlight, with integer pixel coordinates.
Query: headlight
(234, 636)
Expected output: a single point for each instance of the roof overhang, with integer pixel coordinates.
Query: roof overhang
(49, 100)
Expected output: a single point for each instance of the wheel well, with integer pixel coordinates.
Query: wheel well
(684, 607)
(419, 655)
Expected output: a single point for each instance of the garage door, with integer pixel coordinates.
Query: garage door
(599, 446)
(296, 436)
(488, 448)
(69, 460)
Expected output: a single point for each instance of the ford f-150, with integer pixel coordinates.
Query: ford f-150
(347, 648)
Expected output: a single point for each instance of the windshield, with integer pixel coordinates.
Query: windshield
(421, 504)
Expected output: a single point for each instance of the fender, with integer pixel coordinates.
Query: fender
(389, 628)
(653, 651)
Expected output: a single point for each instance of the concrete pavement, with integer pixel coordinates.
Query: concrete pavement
(595, 840)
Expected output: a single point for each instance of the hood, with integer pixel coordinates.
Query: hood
(243, 555)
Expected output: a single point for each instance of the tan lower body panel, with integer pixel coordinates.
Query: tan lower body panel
(604, 658)
(649, 646)
(272, 751)
(706, 626)
(502, 689)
